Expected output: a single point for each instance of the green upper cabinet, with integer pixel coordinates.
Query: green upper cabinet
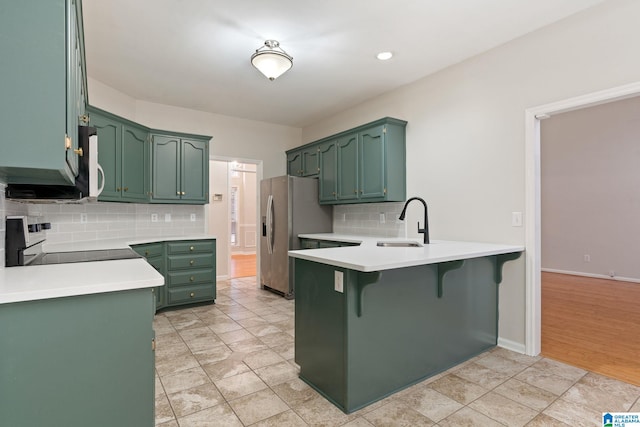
(347, 177)
(43, 97)
(303, 162)
(124, 154)
(180, 169)
(328, 163)
(365, 164)
(294, 163)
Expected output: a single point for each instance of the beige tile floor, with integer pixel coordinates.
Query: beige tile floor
(231, 364)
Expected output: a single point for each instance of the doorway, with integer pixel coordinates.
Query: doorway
(533, 200)
(233, 215)
(589, 228)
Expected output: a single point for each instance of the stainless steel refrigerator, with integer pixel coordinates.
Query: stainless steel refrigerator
(288, 206)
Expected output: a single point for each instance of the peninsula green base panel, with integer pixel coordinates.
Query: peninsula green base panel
(388, 330)
(78, 361)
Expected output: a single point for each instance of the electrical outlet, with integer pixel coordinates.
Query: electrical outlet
(516, 219)
(154, 217)
(339, 281)
(83, 218)
(612, 273)
(587, 258)
(167, 217)
(192, 217)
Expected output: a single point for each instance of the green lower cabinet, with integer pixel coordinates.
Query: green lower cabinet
(154, 254)
(390, 329)
(188, 267)
(317, 243)
(78, 361)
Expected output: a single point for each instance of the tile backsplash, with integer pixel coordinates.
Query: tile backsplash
(102, 220)
(369, 219)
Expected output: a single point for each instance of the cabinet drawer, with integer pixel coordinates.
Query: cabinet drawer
(190, 277)
(196, 246)
(177, 262)
(191, 294)
(149, 251)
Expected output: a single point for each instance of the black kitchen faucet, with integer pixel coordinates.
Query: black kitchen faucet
(425, 230)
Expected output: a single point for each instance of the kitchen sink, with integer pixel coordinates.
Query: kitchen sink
(400, 244)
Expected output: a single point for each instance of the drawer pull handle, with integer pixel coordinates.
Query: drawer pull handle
(191, 279)
(192, 262)
(192, 294)
(191, 248)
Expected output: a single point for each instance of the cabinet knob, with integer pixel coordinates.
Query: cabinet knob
(84, 118)
(191, 279)
(79, 151)
(192, 294)
(126, 189)
(146, 253)
(178, 193)
(118, 189)
(191, 248)
(355, 191)
(334, 193)
(192, 262)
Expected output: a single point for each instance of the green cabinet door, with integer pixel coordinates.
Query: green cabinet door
(42, 68)
(328, 175)
(180, 170)
(78, 361)
(372, 165)
(135, 163)
(154, 253)
(348, 185)
(294, 163)
(123, 153)
(310, 159)
(166, 168)
(195, 171)
(109, 154)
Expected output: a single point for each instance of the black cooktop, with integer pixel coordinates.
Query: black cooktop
(83, 256)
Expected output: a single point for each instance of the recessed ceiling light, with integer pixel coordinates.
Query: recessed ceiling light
(383, 56)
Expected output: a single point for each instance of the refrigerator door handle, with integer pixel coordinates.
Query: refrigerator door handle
(270, 224)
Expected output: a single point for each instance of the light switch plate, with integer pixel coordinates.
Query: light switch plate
(167, 217)
(192, 217)
(154, 217)
(339, 281)
(516, 219)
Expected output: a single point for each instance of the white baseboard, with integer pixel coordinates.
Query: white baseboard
(595, 276)
(243, 252)
(224, 277)
(511, 345)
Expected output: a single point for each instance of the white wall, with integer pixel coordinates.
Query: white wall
(218, 212)
(465, 137)
(232, 137)
(590, 173)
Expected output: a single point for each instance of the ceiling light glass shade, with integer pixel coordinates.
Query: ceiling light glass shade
(271, 60)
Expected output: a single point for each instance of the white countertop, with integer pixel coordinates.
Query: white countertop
(36, 282)
(370, 257)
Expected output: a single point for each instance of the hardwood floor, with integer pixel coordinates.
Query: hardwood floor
(242, 266)
(593, 324)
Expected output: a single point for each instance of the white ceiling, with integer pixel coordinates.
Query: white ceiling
(195, 53)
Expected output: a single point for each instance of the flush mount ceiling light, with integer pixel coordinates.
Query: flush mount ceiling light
(271, 60)
(383, 56)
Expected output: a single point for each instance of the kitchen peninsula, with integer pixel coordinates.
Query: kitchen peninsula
(372, 320)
